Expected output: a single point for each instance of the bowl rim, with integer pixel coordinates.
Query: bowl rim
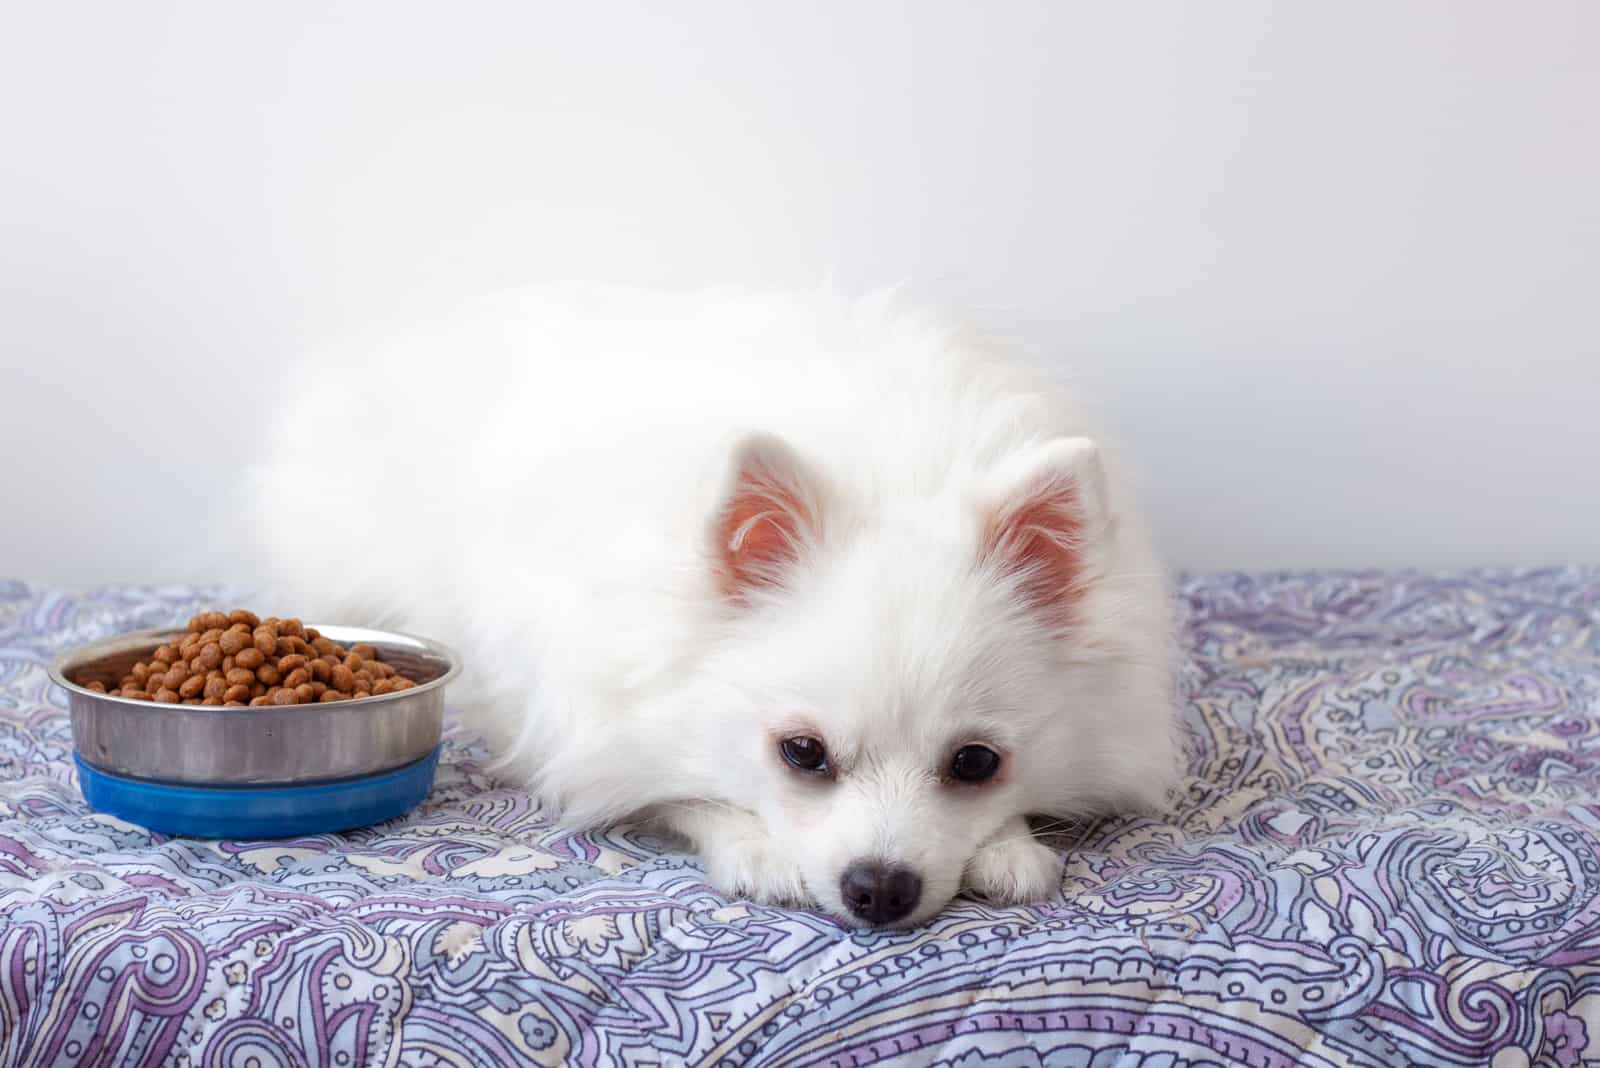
(78, 655)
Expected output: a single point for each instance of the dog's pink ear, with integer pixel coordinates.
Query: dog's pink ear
(1044, 518)
(770, 512)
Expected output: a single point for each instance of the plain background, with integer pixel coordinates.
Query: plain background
(1331, 268)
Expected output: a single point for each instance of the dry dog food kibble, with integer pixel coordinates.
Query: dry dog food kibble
(236, 658)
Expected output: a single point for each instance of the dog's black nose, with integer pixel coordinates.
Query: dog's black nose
(880, 893)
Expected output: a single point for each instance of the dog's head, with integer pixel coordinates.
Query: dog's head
(906, 677)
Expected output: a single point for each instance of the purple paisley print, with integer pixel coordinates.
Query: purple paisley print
(1386, 851)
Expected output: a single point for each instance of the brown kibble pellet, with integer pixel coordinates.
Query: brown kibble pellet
(237, 658)
(97, 686)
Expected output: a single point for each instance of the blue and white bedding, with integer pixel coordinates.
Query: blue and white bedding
(1387, 852)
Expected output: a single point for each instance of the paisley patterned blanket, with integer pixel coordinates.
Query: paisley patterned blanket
(1387, 852)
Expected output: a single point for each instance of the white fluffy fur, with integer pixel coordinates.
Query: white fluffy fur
(533, 478)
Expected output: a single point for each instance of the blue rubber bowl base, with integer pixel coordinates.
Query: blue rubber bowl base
(285, 811)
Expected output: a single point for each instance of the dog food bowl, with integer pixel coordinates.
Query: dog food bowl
(272, 771)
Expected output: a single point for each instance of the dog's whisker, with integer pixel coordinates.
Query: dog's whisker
(1083, 837)
(1038, 833)
(696, 804)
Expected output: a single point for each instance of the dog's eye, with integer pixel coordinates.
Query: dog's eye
(804, 754)
(974, 763)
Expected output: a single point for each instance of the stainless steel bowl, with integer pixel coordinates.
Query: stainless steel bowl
(269, 744)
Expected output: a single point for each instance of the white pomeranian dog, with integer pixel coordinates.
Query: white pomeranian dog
(831, 588)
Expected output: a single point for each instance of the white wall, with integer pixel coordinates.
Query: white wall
(1333, 267)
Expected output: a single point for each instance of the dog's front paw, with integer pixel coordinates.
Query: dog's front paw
(1013, 867)
(751, 867)
(741, 858)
